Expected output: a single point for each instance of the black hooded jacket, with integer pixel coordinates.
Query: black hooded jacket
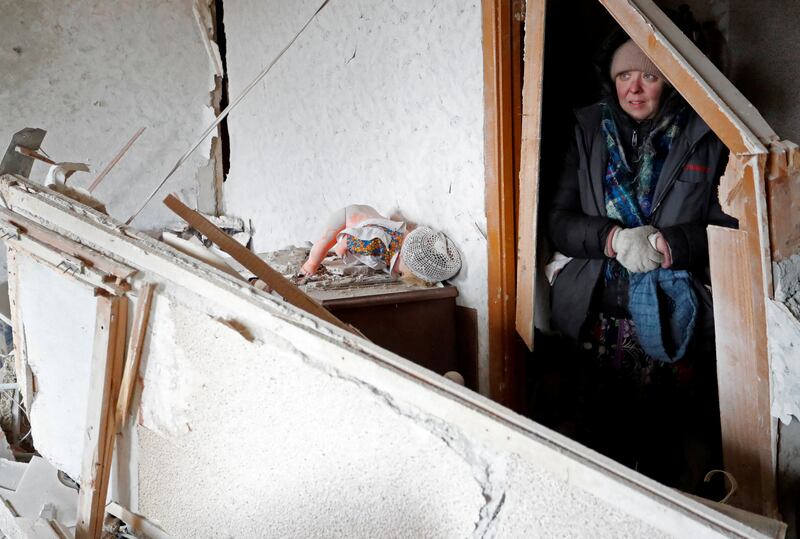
(684, 203)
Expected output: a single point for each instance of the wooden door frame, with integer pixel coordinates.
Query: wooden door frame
(502, 117)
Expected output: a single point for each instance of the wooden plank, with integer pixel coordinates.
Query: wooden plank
(91, 257)
(390, 298)
(252, 263)
(743, 368)
(21, 367)
(115, 159)
(729, 114)
(134, 354)
(106, 374)
(500, 183)
(741, 273)
(529, 169)
(66, 264)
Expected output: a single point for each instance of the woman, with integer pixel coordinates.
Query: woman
(631, 208)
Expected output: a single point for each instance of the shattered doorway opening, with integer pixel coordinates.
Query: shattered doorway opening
(568, 395)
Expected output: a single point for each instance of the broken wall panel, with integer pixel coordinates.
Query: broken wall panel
(378, 103)
(291, 426)
(91, 74)
(57, 319)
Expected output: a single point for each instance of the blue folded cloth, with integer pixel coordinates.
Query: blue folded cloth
(663, 307)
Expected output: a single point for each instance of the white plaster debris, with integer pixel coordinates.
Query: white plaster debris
(784, 351)
(59, 323)
(786, 274)
(167, 374)
(11, 473)
(91, 73)
(378, 103)
(40, 486)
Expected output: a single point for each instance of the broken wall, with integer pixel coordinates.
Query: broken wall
(258, 420)
(766, 70)
(376, 103)
(92, 73)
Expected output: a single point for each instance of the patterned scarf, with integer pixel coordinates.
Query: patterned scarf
(629, 196)
(629, 199)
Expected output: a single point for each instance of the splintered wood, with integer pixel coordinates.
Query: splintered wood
(253, 263)
(106, 376)
(134, 354)
(741, 275)
(739, 317)
(783, 199)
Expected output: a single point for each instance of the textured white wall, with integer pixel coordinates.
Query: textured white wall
(378, 102)
(91, 73)
(273, 442)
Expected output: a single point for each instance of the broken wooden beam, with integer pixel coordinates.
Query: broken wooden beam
(253, 263)
(106, 375)
(134, 354)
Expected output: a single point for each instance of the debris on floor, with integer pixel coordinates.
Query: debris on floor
(35, 502)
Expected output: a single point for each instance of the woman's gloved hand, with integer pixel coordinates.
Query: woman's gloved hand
(634, 250)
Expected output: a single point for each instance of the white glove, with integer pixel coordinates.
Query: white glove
(634, 250)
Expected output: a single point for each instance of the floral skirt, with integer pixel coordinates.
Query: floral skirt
(612, 346)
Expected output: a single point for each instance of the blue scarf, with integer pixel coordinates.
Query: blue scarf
(660, 299)
(629, 196)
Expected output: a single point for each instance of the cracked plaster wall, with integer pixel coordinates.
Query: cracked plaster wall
(378, 102)
(291, 447)
(92, 73)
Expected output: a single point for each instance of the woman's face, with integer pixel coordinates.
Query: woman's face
(639, 93)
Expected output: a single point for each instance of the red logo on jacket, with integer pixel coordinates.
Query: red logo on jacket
(691, 167)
